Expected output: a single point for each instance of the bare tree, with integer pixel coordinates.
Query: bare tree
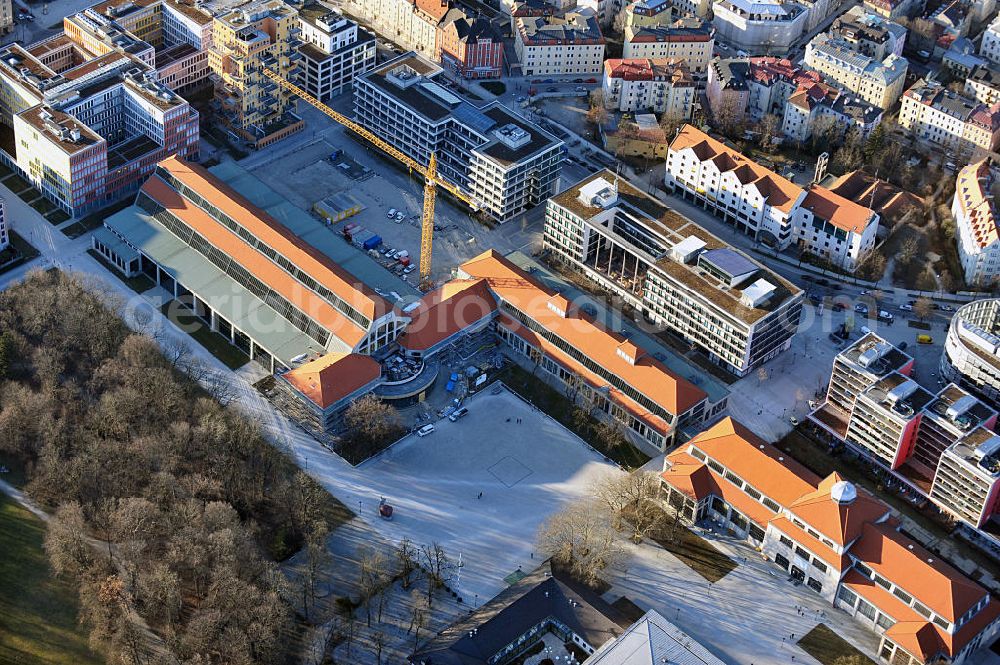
(419, 612)
(406, 558)
(620, 20)
(66, 540)
(923, 307)
(317, 557)
(628, 499)
(372, 419)
(436, 563)
(670, 123)
(769, 127)
(378, 641)
(907, 249)
(581, 539)
(372, 578)
(598, 113)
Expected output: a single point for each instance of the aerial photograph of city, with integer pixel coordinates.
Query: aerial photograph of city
(499, 332)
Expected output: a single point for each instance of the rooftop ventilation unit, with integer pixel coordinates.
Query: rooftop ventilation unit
(961, 405)
(599, 193)
(403, 76)
(687, 250)
(758, 293)
(870, 356)
(512, 136)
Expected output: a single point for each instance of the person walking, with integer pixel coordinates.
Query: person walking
(480, 496)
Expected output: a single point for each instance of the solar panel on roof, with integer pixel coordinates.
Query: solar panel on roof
(440, 93)
(728, 261)
(471, 116)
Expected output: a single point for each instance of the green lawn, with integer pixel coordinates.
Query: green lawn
(140, 283)
(214, 343)
(559, 406)
(37, 612)
(697, 553)
(827, 646)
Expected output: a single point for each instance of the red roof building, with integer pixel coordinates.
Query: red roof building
(839, 540)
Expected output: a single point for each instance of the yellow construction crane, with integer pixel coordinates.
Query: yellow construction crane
(429, 172)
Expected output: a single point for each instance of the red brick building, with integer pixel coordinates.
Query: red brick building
(470, 47)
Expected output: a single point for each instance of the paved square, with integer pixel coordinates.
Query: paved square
(526, 471)
(509, 471)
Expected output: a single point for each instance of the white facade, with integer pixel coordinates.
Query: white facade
(550, 45)
(4, 227)
(411, 25)
(645, 85)
(335, 52)
(761, 28)
(971, 355)
(942, 117)
(976, 233)
(990, 47)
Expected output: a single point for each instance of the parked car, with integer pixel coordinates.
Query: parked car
(838, 307)
(458, 413)
(577, 80)
(591, 80)
(815, 297)
(400, 216)
(549, 81)
(408, 269)
(861, 309)
(520, 98)
(425, 430)
(902, 346)
(794, 421)
(906, 307)
(925, 339)
(885, 316)
(580, 88)
(865, 330)
(551, 89)
(391, 213)
(947, 308)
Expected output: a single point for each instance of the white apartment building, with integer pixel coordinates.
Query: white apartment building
(690, 39)
(878, 83)
(410, 23)
(502, 161)
(939, 116)
(762, 204)
(760, 27)
(659, 86)
(556, 45)
(4, 226)
(673, 271)
(990, 46)
(6, 16)
(983, 84)
(976, 232)
(869, 34)
(971, 355)
(967, 480)
(334, 51)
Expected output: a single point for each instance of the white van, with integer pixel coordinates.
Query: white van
(425, 430)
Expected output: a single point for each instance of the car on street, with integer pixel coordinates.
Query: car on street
(815, 297)
(925, 339)
(400, 216)
(906, 307)
(885, 316)
(838, 307)
(549, 81)
(580, 88)
(425, 430)
(457, 414)
(551, 89)
(794, 421)
(591, 80)
(902, 346)
(520, 98)
(947, 308)
(536, 80)
(391, 213)
(408, 269)
(861, 309)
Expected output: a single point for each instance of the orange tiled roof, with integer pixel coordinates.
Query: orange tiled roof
(648, 375)
(276, 235)
(755, 461)
(840, 523)
(834, 208)
(443, 312)
(780, 192)
(817, 547)
(975, 199)
(695, 479)
(934, 583)
(332, 377)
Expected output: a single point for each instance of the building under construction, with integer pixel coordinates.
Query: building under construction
(503, 162)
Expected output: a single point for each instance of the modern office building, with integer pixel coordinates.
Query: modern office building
(838, 540)
(885, 419)
(244, 273)
(504, 162)
(246, 39)
(688, 38)
(611, 376)
(971, 355)
(938, 116)
(658, 86)
(760, 28)
(555, 45)
(469, 46)
(673, 272)
(83, 116)
(762, 204)
(976, 234)
(967, 482)
(334, 51)
(880, 83)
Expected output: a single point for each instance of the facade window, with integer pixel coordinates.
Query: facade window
(782, 561)
(815, 585)
(866, 609)
(847, 596)
(785, 540)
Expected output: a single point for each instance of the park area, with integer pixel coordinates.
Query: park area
(37, 611)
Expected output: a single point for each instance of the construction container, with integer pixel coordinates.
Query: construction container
(337, 207)
(372, 242)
